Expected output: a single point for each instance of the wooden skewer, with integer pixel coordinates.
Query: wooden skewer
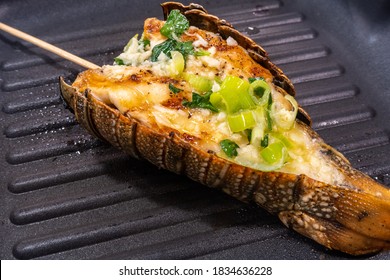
(49, 47)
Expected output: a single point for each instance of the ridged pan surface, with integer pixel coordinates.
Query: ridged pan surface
(67, 195)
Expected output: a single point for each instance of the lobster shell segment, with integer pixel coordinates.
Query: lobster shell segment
(353, 217)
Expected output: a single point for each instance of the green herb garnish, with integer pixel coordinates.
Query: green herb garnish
(200, 101)
(269, 101)
(165, 47)
(185, 48)
(146, 42)
(268, 113)
(249, 134)
(264, 141)
(118, 61)
(229, 147)
(251, 80)
(175, 25)
(173, 28)
(174, 89)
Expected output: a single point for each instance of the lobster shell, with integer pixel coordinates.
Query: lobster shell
(353, 218)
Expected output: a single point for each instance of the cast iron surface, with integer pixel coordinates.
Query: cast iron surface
(65, 195)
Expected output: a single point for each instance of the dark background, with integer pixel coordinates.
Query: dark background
(65, 195)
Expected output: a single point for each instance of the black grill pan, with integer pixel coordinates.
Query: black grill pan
(66, 195)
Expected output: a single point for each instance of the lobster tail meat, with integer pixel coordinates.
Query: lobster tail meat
(194, 96)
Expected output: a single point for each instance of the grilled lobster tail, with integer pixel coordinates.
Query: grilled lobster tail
(353, 217)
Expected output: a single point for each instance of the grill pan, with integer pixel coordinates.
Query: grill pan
(66, 195)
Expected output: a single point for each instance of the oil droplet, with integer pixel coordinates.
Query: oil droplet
(383, 178)
(251, 30)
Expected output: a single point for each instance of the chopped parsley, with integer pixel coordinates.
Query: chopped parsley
(175, 25)
(118, 61)
(268, 113)
(264, 141)
(146, 42)
(229, 147)
(185, 48)
(174, 89)
(200, 101)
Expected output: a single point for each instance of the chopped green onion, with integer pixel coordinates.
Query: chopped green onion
(218, 80)
(241, 121)
(200, 101)
(130, 48)
(198, 83)
(262, 164)
(260, 91)
(201, 52)
(259, 113)
(239, 87)
(280, 137)
(229, 147)
(177, 64)
(234, 84)
(274, 153)
(222, 104)
(174, 89)
(132, 45)
(232, 96)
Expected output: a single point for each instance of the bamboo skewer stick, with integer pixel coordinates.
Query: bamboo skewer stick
(49, 47)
